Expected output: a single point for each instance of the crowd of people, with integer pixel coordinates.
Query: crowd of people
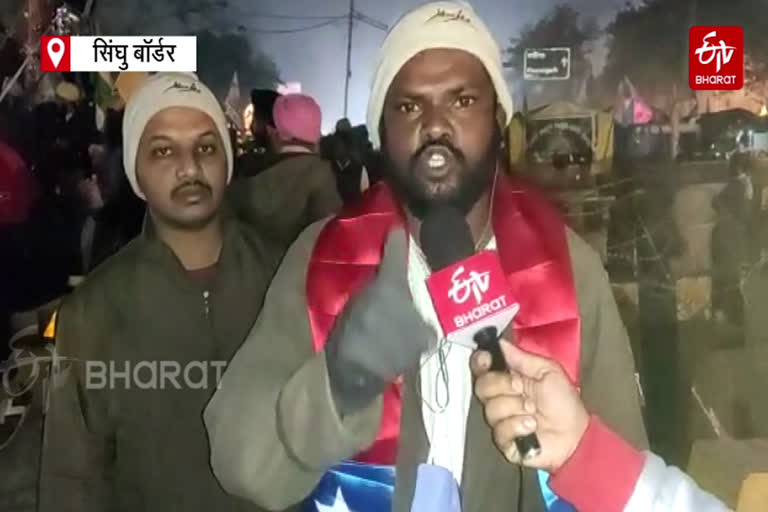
(265, 316)
(66, 205)
(64, 202)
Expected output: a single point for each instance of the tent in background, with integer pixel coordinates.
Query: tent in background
(576, 128)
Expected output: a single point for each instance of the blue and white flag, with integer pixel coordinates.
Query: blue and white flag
(359, 487)
(353, 487)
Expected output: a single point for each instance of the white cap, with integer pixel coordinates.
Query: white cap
(161, 91)
(453, 25)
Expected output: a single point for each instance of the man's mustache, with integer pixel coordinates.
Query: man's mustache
(193, 183)
(442, 143)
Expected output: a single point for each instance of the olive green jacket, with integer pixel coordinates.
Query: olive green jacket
(134, 442)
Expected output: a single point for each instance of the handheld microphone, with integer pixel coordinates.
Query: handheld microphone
(470, 293)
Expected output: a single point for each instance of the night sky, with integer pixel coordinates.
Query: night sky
(275, 27)
(322, 74)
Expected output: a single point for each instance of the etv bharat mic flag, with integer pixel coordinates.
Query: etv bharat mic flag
(118, 53)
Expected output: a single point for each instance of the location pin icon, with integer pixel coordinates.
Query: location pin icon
(55, 51)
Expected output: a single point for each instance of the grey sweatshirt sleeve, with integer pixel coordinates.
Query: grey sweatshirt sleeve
(272, 424)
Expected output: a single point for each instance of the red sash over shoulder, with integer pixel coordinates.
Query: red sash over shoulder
(532, 246)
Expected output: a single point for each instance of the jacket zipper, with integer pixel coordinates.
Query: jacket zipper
(206, 304)
(209, 321)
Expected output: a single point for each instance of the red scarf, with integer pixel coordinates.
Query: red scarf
(532, 246)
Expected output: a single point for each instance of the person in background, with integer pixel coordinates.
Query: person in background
(263, 132)
(40, 244)
(348, 359)
(343, 125)
(348, 150)
(18, 194)
(730, 245)
(77, 122)
(299, 188)
(18, 188)
(66, 182)
(179, 299)
(592, 468)
(11, 53)
(119, 220)
(92, 201)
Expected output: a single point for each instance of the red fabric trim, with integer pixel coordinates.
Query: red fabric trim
(601, 474)
(18, 188)
(533, 251)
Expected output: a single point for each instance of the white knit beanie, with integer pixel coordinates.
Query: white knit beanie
(453, 25)
(161, 91)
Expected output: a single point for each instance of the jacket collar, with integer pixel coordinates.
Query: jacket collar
(159, 253)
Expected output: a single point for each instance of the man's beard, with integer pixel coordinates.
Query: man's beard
(176, 223)
(473, 181)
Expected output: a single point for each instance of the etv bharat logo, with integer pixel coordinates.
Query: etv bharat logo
(716, 58)
(722, 53)
(475, 285)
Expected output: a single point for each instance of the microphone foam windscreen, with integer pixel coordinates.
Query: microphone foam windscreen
(445, 237)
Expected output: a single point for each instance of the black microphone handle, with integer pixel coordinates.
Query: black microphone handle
(488, 339)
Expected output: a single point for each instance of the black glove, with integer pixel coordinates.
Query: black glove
(379, 335)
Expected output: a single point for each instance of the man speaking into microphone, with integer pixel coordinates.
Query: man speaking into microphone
(349, 357)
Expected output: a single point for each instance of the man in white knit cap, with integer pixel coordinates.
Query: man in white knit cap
(358, 366)
(147, 334)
